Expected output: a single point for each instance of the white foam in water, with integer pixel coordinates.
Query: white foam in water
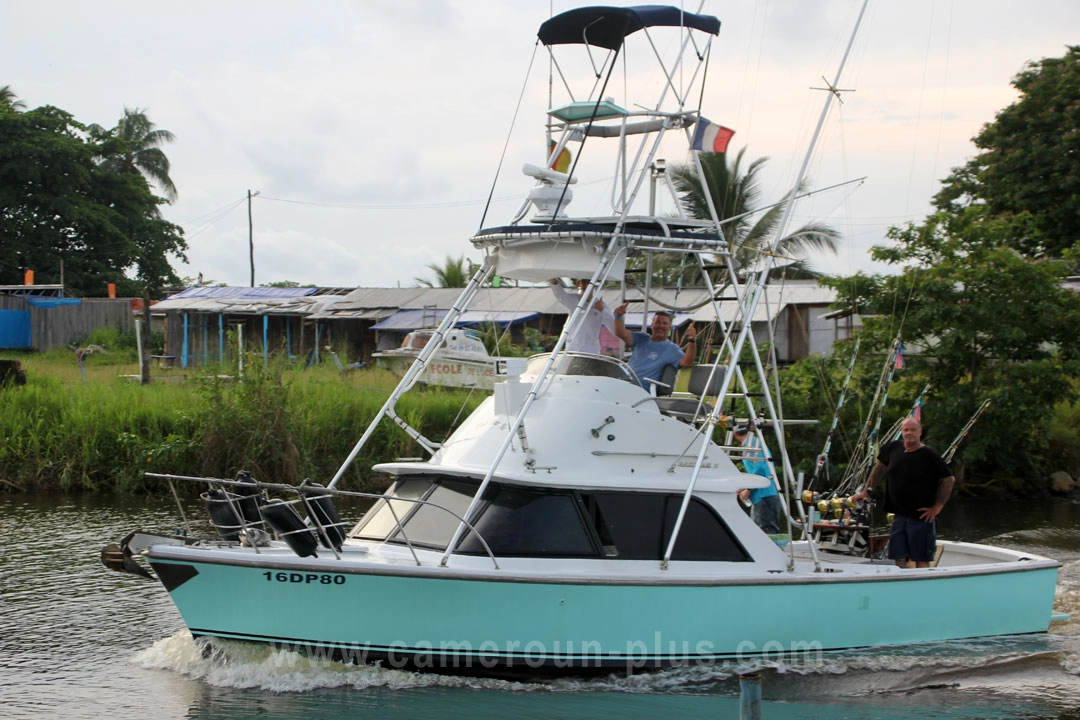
(248, 665)
(967, 664)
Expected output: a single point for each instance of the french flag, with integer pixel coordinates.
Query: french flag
(711, 137)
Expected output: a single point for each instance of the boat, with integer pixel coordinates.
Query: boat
(461, 359)
(577, 521)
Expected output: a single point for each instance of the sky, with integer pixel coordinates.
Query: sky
(372, 130)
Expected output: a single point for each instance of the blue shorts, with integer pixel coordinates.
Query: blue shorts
(912, 539)
(766, 513)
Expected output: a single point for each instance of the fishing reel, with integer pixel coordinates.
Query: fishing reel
(838, 509)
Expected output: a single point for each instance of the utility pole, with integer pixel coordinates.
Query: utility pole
(251, 237)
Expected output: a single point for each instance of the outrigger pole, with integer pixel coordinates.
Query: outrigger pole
(419, 365)
(755, 298)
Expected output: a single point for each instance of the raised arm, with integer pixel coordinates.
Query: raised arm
(690, 355)
(620, 326)
(566, 298)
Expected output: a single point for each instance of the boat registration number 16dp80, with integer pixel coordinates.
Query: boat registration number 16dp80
(305, 578)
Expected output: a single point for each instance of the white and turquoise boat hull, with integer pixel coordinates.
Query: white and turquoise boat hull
(500, 621)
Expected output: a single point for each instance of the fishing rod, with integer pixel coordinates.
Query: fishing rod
(948, 456)
(823, 457)
(867, 441)
(893, 433)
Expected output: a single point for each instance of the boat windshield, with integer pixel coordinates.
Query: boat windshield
(572, 363)
(417, 339)
(522, 521)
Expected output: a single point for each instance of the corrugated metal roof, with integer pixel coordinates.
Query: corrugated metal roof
(415, 319)
(381, 303)
(248, 305)
(225, 291)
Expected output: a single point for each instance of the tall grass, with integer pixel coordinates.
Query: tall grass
(282, 424)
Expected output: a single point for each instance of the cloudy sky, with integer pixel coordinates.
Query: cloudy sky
(372, 129)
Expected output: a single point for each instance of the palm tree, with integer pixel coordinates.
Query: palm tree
(736, 195)
(453, 273)
(133, 146)
(8, 99)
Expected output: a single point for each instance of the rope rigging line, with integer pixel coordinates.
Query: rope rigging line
(823, 457)
(509, 132)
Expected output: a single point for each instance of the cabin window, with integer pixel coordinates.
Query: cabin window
(431, 524)
(427, 523)
(380, 520)
(582, 364)
(637, 526)
(525, 522)
(530, 522)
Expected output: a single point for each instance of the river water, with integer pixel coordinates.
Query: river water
(80, 641)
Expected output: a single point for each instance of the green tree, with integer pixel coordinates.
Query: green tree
(1030, 159)
(64, 214)
(979, 321)
(736, 194)
(8, 99)
(983, 312)
(452, 273)
(134, 146)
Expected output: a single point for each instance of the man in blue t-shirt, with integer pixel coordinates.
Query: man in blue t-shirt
(651, 353)
(765, 507)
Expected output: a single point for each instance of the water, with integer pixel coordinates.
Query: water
(79, 641)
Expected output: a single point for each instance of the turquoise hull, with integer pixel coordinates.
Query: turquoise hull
(483, 625)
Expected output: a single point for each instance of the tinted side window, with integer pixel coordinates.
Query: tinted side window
(432, 525)
(380, 520)
(639, 526)
(524, 522)
(704, 536)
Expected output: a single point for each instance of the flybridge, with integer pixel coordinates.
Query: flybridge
(587, 125)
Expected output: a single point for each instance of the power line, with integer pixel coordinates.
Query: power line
(205, 222)
(400, 206)
(406, 206)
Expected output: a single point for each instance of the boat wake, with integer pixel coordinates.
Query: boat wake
(240, 665)
(1029, 667)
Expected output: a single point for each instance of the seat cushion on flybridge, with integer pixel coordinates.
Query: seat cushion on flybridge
(577, 111)
(704, 381)
(667, 381)
(683, 408)
(686, 407)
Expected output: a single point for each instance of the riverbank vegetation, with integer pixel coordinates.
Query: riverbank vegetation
(980, 299)
(1014, 445)
(981, 294)
(283, 424)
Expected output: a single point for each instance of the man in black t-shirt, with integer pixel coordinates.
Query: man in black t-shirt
(919, 486)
